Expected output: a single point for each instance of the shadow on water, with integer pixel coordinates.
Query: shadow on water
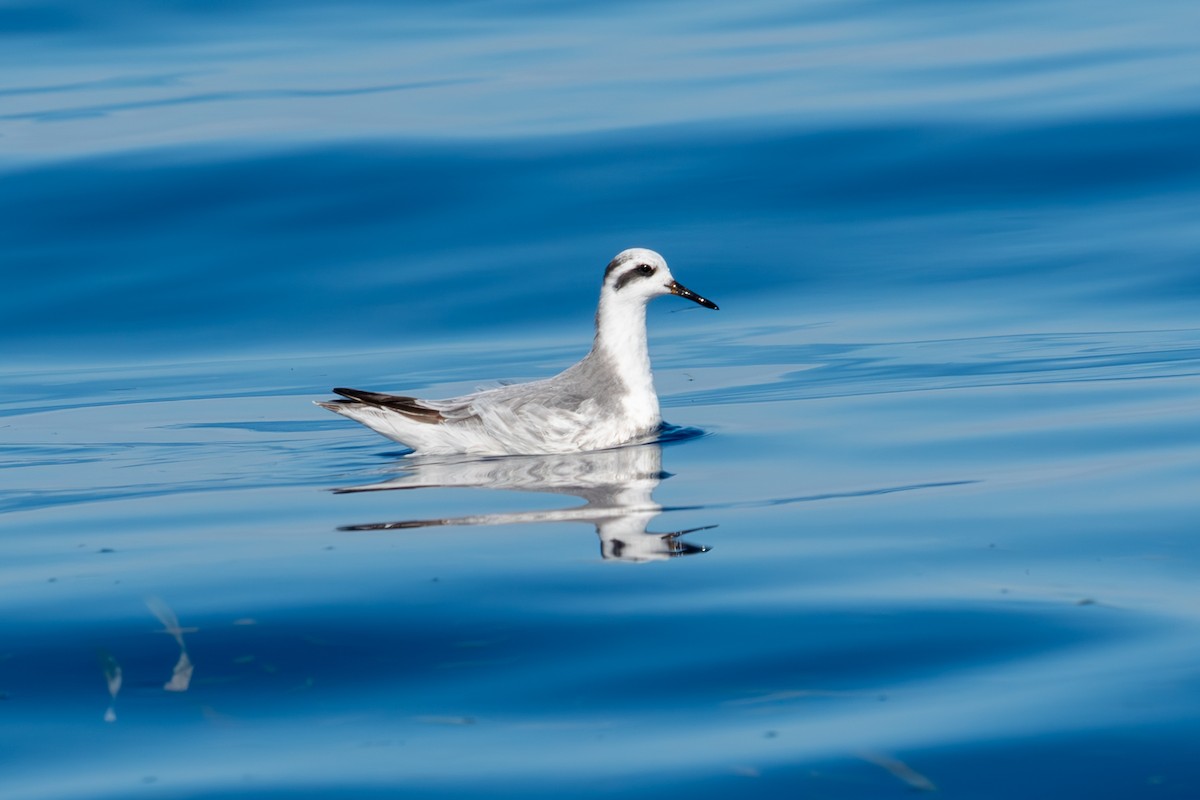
(616, 485)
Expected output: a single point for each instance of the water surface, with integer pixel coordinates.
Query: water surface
(928, 516)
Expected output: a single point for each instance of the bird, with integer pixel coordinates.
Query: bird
(605, 400)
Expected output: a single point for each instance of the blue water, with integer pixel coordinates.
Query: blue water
(934, 491)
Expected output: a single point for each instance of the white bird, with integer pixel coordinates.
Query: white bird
(605, 400)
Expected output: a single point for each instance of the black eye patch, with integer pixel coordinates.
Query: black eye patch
(640, 271)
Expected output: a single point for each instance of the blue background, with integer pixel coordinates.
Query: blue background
(945, 423)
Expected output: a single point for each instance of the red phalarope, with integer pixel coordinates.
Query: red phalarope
(605, 400)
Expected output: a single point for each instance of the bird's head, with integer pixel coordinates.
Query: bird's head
(639, 275)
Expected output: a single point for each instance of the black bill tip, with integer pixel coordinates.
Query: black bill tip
(679, 289)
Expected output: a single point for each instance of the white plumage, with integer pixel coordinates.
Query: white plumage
(607, 399)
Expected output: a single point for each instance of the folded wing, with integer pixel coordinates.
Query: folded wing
(408, 406)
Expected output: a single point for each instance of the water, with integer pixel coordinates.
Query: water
(934, 485)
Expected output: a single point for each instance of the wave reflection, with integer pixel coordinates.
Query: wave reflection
(616, 486)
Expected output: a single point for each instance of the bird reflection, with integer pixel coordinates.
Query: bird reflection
(616, 486)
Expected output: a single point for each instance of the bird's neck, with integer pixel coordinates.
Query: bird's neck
(621, 340)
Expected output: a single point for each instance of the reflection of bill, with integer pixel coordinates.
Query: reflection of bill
(616, 486)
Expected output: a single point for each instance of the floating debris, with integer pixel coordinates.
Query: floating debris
(112, 674)
(900, 770)
(181, 675)
(445, 720)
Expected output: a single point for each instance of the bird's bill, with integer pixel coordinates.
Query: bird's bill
(679, 289)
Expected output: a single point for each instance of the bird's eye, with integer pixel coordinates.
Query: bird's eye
(644, 269)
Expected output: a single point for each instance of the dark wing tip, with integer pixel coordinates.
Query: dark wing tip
(409, 406)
